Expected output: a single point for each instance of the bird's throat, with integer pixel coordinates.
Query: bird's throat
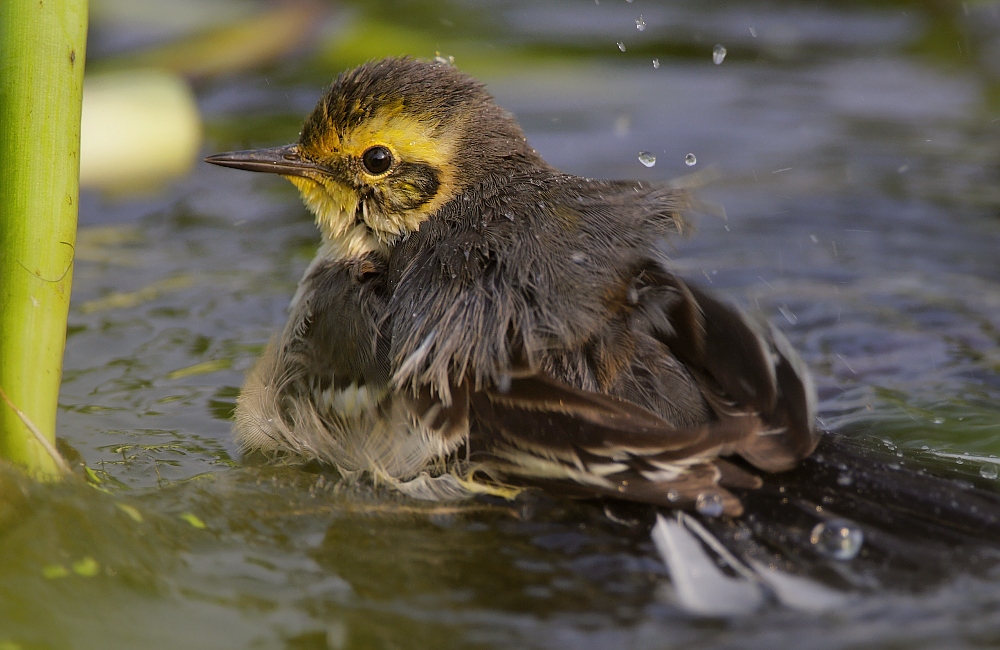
(356, 242)
(333, 205)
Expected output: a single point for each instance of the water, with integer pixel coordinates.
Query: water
(718, 54)
(839, 539)
(709, 504)
(647, 159)
(890, 275)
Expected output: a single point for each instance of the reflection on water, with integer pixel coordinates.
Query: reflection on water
(856, 153)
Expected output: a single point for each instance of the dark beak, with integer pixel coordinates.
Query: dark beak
(276, 160)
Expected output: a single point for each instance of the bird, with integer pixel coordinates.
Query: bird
(479, 324)
(476, 321)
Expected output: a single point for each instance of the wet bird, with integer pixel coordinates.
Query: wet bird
(476, 321)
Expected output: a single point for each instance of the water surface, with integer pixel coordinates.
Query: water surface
(854, 146)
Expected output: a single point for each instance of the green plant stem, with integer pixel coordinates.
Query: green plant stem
(42, 48)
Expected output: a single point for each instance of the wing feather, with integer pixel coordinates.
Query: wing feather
(761, 406)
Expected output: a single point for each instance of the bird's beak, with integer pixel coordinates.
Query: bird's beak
(276, 160)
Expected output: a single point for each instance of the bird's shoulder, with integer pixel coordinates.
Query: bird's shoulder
(334, 326)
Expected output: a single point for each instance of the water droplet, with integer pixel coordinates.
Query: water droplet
(718, 54)
(989, 471)
(673, 496)
(753, 32)
(938, 420)
(959, 462)
(690, 160)
(647, 158)
(621, 46)
(656, 63)
(845, 479)
(788, 314)
(640, 24)
(840, 539)
(709, 504)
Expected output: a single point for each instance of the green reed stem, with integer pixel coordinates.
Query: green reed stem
(42, 48)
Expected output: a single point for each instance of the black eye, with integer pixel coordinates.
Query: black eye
(377, 159)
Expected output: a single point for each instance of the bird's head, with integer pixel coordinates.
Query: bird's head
(389, 144)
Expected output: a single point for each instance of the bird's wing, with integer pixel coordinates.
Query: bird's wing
(544, 431)
(742, 367)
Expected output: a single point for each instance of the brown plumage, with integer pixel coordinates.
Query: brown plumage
(476, 319)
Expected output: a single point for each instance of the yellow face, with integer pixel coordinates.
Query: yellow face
(382, 151)
(391, 171)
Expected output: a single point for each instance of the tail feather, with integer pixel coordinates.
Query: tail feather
(917, 522)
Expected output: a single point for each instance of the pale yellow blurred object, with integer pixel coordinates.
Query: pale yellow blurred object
(140, 128)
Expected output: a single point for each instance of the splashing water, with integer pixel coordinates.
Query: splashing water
(647, 158)
(839, 539)
(709, 504)
(656, 63)
(718, 54)
(640, 24)
(621, 46)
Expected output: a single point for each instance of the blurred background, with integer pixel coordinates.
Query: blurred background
(854, 200)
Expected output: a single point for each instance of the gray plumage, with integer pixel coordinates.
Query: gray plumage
(527, 330)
